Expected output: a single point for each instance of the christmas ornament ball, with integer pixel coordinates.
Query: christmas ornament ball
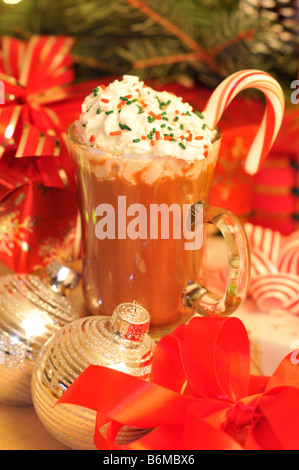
(119, 342)
(32, 309)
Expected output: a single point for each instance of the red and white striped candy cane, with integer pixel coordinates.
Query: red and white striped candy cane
(292, 306)
(260, 264)
(289, 257)
(269, 128)
(266, 240)
(275, 291)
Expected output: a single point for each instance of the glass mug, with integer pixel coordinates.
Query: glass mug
(158, 272)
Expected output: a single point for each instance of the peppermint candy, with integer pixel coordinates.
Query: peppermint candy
(274, 269)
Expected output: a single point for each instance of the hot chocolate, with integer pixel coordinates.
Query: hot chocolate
(140, 264)
(137, 151)
(140, 148)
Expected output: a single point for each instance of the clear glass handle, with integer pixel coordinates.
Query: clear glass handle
(198, 297)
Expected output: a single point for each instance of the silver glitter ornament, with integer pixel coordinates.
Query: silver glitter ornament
(32, 309)
(119, 342)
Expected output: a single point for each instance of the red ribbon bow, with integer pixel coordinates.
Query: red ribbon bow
(201, 396)
(36, 77)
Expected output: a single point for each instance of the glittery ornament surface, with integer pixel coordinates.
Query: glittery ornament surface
(30, 313)
(86, 341)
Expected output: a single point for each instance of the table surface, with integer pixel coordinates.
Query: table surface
(20, 428)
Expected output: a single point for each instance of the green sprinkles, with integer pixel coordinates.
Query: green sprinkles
(99, 111)
(136, 140)
(109, 112)
(150, 119)
(124, 126)
(176, 118)
(201, 116)
(182, 127)
(204, 126)
(123, 98)
(182, 145)
(163, 125)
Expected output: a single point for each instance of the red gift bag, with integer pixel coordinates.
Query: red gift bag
(38, 208)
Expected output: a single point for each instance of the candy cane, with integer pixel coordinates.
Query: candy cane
(264, 239)
(289, 257)
(292, 306)
(275, 291)
(260, 264)
(269, 128)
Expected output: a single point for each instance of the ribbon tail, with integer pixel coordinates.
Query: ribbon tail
(134, 402)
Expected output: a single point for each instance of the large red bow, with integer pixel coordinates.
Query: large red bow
(201, 396)
(36, 77)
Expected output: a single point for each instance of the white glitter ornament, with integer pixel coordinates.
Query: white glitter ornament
(32, 309)
(119, 342)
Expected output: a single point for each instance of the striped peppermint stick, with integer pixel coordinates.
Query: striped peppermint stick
(266, 240)
(289, 257)
(292, 306)
(260, 264)
(275, 105)
(275, 291)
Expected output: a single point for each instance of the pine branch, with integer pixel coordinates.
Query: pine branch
(203, 39)
(181, 35)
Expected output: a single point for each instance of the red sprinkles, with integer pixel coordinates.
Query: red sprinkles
(116, 133)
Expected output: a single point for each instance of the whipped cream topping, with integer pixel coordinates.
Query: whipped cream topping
(130, 118)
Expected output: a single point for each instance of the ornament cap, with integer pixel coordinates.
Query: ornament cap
(60, 277)
(130, 320)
